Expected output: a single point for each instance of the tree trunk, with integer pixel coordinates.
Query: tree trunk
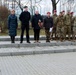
(54, 7)
(54, 4)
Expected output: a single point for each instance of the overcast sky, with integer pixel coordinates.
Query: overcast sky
(45, 6)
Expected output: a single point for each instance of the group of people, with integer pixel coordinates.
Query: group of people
(64, 24)
(57, 26)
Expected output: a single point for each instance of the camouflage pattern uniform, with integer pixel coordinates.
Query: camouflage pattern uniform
(67, 27)
(74, 28)
(54, 26)
(60, 27)
(72, 23)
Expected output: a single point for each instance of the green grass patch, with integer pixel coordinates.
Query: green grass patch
(42, 32)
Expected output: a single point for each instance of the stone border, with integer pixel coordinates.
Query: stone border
(36, 52)
(36, 44)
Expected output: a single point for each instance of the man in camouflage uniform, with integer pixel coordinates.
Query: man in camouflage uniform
(55, 25)
(72, 23)
(63, 13)
(74, 28)
(60, 26)
(67, 23)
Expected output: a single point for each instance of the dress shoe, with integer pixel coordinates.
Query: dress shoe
(28, 42)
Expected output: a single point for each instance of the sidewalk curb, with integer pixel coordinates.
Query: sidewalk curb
(36, 52)
(36, 44)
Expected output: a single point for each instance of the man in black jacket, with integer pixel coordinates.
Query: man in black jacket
(24, 18)
(48, 23)
(37, 24)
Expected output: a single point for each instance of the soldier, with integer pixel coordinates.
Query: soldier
(55, 25)
(60, 26)
(67, 24)
(72, 22)
(73, 26)
(63, 13)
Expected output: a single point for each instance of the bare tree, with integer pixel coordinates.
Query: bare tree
(19, 4)
(33, 6)
(71, 4)
(54, 4)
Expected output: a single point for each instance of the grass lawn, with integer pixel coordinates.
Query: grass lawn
(42, 32)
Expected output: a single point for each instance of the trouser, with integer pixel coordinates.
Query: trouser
(47, 34)
(54, 32)
(36, 34)
(12, 39)
(67, 29)
(74, 32)
(22, 34)
(60, 32)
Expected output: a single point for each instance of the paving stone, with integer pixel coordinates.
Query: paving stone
(46, 64)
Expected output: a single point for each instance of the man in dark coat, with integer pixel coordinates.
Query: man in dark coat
(12, 25)
(37, 24)
(24, 18)
(48, 23)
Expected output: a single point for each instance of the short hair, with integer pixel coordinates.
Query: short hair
(25, 6)
(12, 10)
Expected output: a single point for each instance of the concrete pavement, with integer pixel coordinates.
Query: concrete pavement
(47, 64)
(37, 58)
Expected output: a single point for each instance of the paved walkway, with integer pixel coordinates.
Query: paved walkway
(50, 64)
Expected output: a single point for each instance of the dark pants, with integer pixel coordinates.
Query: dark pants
(53, 32)
(36, 34)
(12, 39)
(22, 34)
(47, 34)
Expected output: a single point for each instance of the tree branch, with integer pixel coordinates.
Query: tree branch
(19, 4)
(52, 1)
(38, 1)
(57, 1)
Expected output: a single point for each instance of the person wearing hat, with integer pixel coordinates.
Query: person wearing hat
(60, 27)
(74, 28)
(48, 23)
(72, 22)
(25, 18)
(55, 25)
(63, 12)
(67, 27)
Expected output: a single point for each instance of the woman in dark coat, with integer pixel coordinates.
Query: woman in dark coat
(12, 25)
(36, 22)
